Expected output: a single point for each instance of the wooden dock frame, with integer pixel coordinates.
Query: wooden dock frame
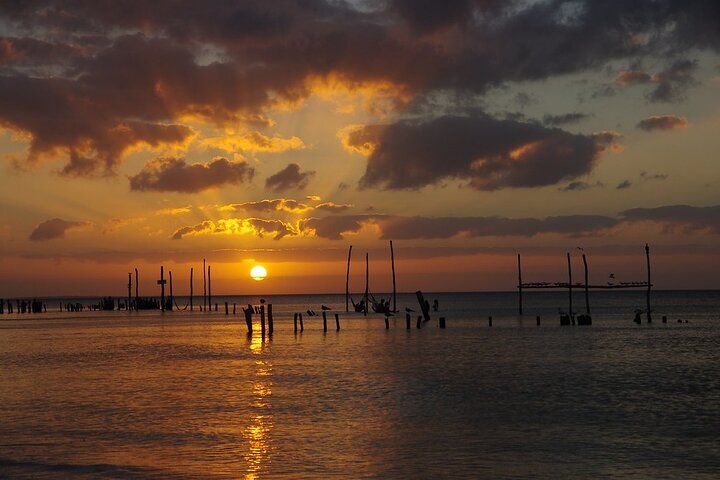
(570, 285)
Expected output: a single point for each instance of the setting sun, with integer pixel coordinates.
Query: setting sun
(258, 273)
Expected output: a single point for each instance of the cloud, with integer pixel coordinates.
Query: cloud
(684, 218)
(579, 186)
(169, 174)
(54, 228)
(623, 185)
(332, 207)
(662, 122)
(239, 226)
(172, 211)
(487, 153)
(289, 178)
(653, 176)
(669, 84)
(254, 142)
(274, 205)
(564, 119)
(313, 198)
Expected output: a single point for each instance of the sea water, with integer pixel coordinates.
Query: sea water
(191, 395)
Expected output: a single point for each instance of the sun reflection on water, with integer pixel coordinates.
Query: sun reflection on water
(257, 432)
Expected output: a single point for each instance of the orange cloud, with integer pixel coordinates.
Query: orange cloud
(239, 226)
(254, 142)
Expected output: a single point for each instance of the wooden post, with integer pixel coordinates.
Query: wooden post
(137, 298)
(392, 263)
(649, 285)
(234, 306)
(248, 318)
(262, 319)
(337, 322)
(270, 318)
(347, 282)
(204, 286)
(162, 283)
(172, 298)
(537, 319)
(407, 321)
(367, 282)
(129, 293)
(295, 316)
(387, 322)
(570, 286)
(489, 321)
(424, 306)
(441, 322)
(419, 321)
(520, 303)
(587, 291)
(324, 321)
(301, 322)
(209, 291)
(227, 310)
(191, 289)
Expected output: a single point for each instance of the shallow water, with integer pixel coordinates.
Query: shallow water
(190, 395)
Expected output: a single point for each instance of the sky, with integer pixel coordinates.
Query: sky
(137, 134)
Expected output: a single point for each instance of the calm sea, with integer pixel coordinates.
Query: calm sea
(190, 395)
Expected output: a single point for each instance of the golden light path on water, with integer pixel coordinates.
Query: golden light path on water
(257, 433)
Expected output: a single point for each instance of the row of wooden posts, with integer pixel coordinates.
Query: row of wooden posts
(170, 303)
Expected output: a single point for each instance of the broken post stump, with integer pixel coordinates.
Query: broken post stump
(424, 305)
(324, 314)
(441, 322)
(295, 315)
(337, 322)
(227, 312)
(387, 322)
(301, 322)
(407, 321)
(262, 320)
(419, 321)
(270, 318)
(489, 321)
(248, 318)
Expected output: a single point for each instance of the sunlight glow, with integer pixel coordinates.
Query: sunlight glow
(258, 273)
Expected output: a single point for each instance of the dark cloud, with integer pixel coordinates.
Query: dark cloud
(653, 176)
(54, 228)
(579, 186)
(168, 174)
(669, 85)
(91, 80)
(289, 178)
(662, 122)
(564, 119)
(623, 185)
(488, 153)
(684, 218)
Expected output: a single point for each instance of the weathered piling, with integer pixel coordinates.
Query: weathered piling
(570, 299)
(137, 288)
(337, 322)
(234, 305)
(301, 322)
(347, 282)
(520, 300)
(162, 283)
(367, 283)
(441, 322)
(172, 297)
(270, 318)
(537, 320)
(664, 318)
(227, 311)
(204, 286)
(407, 321)
(262, 319)
(419, 321)
(248, 318)
(209, 290)
(129, 293)
(295, 317)
(424, 305)
(392, 264)
(387, 322)
(324, 315)
(191, 290)
(489, 321)
(587, 289)
(649, 284)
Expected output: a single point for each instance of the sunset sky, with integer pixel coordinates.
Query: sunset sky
(135, 134)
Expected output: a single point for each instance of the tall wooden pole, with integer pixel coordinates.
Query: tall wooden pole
(191, 289)
(520, 305)
(209, 290)
(392, 263)
(347, 282)
(137, 297)
(649, 285)
(367, 282)
(587, 293)
(570, 286)
(129, 291)
(172, 298)
(161, 282)
(204, 287)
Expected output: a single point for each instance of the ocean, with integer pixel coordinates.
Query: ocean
(153, 395)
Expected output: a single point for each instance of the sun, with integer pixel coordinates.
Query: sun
(258, 273)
